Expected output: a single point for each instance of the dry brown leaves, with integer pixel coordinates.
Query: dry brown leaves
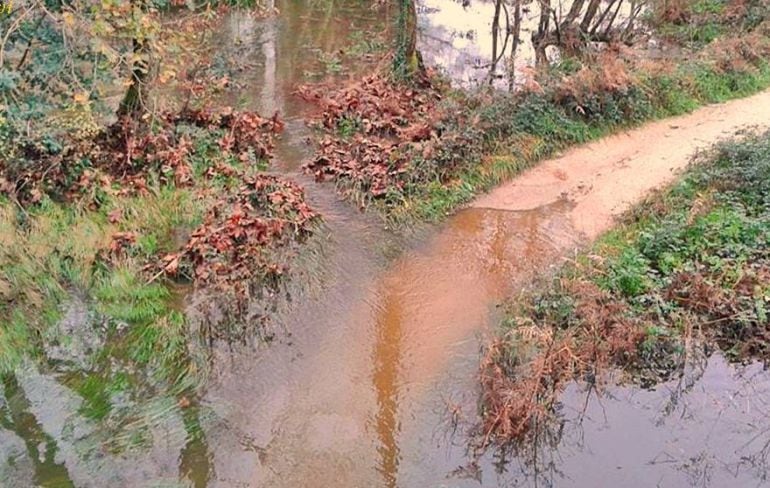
(727, 314)
(120, 158)
(233, 245)
(742, 53)
(610, 74)
(523, 374)
(385, 121)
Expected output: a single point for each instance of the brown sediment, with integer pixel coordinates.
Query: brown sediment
(353, 401)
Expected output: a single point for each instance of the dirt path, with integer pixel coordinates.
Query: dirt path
(604, 178)
(359, 394)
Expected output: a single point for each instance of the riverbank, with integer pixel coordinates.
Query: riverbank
(685, 273)
(124, 255)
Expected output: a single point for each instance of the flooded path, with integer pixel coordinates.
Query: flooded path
(605, 177)
(373, 362)
(379, 361)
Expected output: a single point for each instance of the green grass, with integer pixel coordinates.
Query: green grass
(521, 132)
(52, 251)
(711, 227)
(144, 356)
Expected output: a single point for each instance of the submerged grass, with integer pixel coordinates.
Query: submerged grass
(52, 252)
(693, 262)
(92, 273)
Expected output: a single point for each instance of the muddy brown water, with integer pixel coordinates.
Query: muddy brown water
(370, 379)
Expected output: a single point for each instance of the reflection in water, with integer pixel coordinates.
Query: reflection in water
(387, 360)
(41, 449)
(352, 394)
(353, 400)
(270, 93)
(195, 459)
(457, 38)
(706, 429)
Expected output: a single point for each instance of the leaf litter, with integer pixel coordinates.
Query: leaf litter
(253, 215)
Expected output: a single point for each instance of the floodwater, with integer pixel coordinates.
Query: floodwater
(456, 36)
(369, 380)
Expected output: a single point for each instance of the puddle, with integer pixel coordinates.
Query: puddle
(337, 408)
(707, 430)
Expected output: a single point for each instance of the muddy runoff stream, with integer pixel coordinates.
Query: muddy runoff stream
(376, 384)
(369, 379)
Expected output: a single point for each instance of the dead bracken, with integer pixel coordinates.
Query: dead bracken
(254, 216)
(232, 245)
(120, 158)
(371, 128)
(523, 372)
(691, 269)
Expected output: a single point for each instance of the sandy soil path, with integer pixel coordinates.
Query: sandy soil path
(605, 177)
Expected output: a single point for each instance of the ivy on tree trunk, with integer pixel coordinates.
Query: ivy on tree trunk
(407, 63)
(133, 100)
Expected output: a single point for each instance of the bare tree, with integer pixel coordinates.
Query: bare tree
(133, 100)
(516, 33)
(585, 23)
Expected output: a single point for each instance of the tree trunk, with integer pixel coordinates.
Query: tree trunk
(133, 101)
(407, 63)
(539, 37)
(495, 34)
(516, 41)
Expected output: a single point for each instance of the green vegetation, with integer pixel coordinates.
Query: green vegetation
(113, 233)
(54, 251)
(106, 225)
(698, 23)
(451, 144)
(699, 255)
(690, 268)
(520, 130)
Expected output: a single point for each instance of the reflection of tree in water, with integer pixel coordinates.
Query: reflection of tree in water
(15, 417)
(387, 363)
(711, 424)
(490, 39)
